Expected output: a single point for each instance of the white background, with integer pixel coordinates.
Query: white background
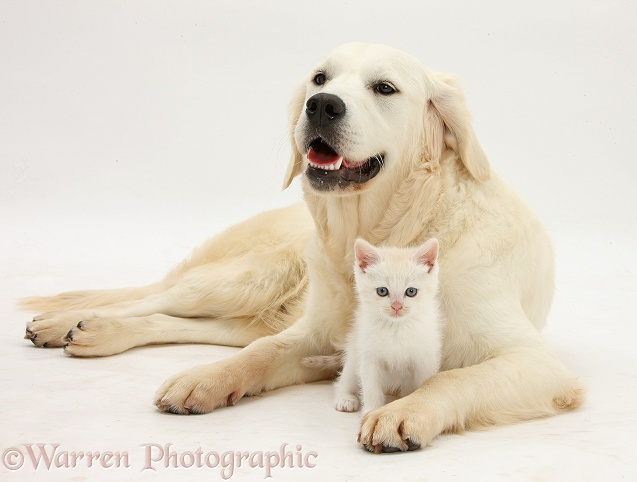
(131, 131)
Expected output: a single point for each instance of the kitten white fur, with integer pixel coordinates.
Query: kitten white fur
(395, 342)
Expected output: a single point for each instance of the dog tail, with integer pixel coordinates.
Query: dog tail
(77, 300)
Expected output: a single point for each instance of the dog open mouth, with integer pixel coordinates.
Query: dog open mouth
(327, 169)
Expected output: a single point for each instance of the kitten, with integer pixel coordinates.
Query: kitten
(396, 339)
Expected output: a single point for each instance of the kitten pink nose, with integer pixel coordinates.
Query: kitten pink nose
(396, 306)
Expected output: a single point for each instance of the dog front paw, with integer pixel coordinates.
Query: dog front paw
(396, 427)
(200, 390)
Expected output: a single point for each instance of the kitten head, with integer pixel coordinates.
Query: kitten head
(395, 282)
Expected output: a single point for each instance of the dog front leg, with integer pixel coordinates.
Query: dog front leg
(267, 363)
(520, 384)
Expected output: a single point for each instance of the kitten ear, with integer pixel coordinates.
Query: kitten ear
(365, 254)
(427, 254)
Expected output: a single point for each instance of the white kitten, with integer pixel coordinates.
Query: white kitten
(395, 342)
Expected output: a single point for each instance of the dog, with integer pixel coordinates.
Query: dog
(385, 150)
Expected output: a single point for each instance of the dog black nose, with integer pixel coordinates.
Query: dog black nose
(324, 108)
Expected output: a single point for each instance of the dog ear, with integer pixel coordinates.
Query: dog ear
(295, 109)
(447, 121)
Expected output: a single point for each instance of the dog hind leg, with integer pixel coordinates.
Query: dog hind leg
(266, 291)
(108, 336)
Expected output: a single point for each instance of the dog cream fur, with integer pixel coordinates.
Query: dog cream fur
(251, 285)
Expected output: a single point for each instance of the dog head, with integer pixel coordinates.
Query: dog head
(368, 109)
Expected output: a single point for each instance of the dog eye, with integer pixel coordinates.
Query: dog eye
(382, 291)
(385, 88)
(319, 79)
(411, 292)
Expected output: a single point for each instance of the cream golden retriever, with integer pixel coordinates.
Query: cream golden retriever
(386, 151)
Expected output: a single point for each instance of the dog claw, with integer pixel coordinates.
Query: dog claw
(372, 449)
(69, 336)
(388, 449)
(177, 411)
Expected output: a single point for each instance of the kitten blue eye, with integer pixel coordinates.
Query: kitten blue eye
(411, 292)
(382, 291)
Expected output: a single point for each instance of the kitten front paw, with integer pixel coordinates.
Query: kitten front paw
(347, 404)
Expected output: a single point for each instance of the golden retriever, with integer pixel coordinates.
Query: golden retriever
(386, 151)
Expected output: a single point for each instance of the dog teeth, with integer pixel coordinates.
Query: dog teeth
(335, 166)
(329, 167)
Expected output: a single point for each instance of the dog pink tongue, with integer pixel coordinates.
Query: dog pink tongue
(322, 157)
